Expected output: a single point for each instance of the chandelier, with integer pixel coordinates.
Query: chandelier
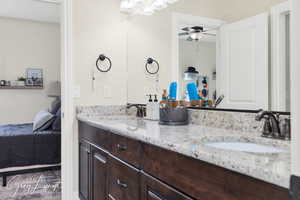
(144, 7)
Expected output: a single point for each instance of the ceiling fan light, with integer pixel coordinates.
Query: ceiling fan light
(196, 36)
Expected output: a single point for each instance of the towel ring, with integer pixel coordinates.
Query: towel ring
(150, 61)
(101, 59)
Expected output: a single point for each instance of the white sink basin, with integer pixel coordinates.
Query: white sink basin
(244, 147)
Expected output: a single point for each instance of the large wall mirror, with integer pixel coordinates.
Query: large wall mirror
(234, 52)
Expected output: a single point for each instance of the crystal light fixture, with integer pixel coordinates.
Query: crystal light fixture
(144, 7)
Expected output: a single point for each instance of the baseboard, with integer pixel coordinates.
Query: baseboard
(295, 188)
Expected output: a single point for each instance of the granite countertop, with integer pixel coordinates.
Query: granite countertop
(189, 140)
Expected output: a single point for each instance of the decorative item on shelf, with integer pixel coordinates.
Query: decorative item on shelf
(152, 66)
(3, 83)
(103, 63)
(21, 81)
(34, 77)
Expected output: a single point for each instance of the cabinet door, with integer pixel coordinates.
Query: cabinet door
(153, 189)
(124, 181)
(84, 170)
(99, 170)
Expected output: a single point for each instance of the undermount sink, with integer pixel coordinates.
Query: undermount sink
(244, 147)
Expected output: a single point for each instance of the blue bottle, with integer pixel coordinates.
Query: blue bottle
(173, 91)
(193, 92)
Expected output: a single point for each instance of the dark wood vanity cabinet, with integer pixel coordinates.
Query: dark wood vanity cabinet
(124, 180)
(113, 167)
(93, 172)
(99, 174)
(127, 149)
(84, 170)
(153, 189)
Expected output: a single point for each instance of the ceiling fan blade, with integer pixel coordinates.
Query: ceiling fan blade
(182, 34)
(198, 28)
(211, 34)
(186, 29)
(50, 1)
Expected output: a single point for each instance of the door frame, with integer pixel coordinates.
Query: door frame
(295, 86)
(278, 55)
(179, 19)
(67, 136)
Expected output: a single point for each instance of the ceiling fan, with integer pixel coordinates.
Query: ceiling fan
(50, 1)
(195, 33)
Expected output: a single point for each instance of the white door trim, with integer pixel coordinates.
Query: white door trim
(67, 171)
(295, 89)
(278, 55)
(179, 19)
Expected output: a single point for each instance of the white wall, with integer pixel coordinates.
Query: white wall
(30, 10)
(201, 55)
(295, 86)
(99, 28)
(27, 44)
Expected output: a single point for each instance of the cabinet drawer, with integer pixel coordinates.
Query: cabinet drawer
(127, 149)
(193, 177)
(153, 189)
(124, 181)
(95, 135)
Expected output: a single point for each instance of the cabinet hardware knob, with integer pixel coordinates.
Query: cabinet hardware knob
(121, 148)
(123, 185)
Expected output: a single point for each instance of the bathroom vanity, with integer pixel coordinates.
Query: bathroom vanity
(129, 159)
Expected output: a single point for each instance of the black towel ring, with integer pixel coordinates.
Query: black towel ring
(102, 58)
(150, 61)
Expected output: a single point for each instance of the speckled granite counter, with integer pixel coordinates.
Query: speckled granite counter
(189, 140)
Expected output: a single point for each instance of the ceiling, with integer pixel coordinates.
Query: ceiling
(31, 10)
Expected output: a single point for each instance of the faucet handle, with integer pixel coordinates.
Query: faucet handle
(285, 128)
(267, 128)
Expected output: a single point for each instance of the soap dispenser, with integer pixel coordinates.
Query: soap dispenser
(155, 108)
(149, 107)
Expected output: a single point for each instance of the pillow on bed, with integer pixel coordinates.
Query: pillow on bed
(56, 126)
(43, 120)
(55, 106)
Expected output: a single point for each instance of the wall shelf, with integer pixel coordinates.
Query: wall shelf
(21, 87)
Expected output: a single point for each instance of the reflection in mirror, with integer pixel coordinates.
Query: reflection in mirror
(197, 61)
(238, 50)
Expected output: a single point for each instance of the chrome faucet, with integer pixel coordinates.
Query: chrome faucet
(141, 110)
(272, 125)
